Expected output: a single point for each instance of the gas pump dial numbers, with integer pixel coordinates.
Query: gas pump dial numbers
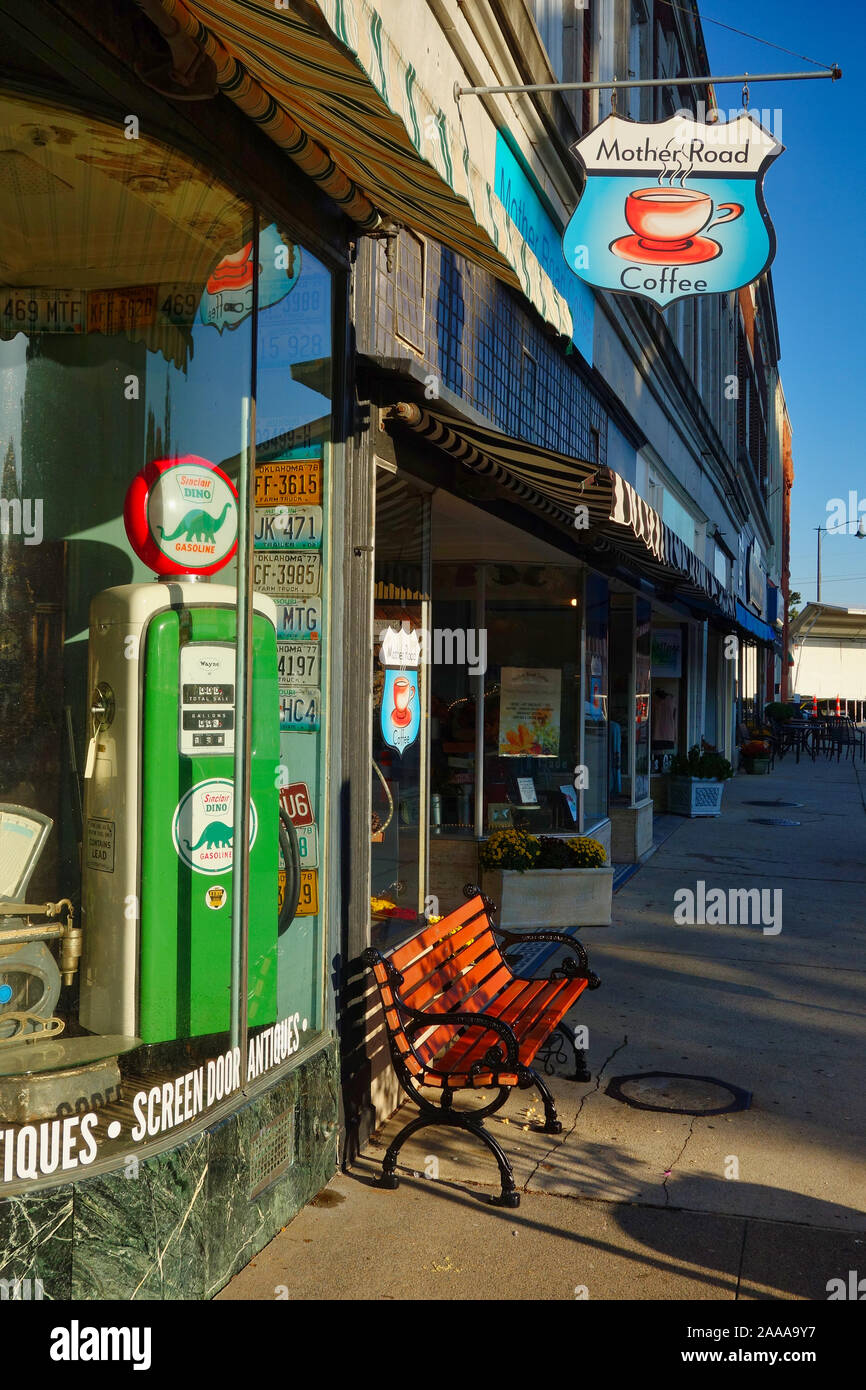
(206, 698)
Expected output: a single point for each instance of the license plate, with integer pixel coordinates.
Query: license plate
(308, 902)
(178, 303)
(287, 573)
(308, 847)
(42, 311)
(299, 621)
(298, 663)
(289, 528)
(295, 482)
(295, 800)
(300, 710)
(121, 311)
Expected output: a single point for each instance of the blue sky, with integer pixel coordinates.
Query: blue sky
(815, 196)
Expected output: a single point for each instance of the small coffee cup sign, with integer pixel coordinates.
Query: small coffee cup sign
(401, 709)
(672, 209)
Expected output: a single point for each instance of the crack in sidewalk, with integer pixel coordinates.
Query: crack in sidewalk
(669, 1171)
(563, 1138)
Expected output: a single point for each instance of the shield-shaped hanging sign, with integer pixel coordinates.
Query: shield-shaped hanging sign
(672, 209)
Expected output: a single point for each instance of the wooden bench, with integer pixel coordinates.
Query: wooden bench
(458, 1018)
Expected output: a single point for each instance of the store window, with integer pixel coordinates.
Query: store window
(596, 755)
(126, 337)
(668, 687)
(293, 565)
(621, 697)
(630, 698)
(505, 698)
(642, 699)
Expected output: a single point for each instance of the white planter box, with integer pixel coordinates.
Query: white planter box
(695, 796)
(553, 898)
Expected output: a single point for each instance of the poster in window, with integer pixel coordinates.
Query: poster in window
(529, 712)
(667, 652)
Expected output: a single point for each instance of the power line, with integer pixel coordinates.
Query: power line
(830, 578)
(705, 19)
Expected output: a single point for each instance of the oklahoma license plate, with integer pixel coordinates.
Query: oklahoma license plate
(287, 573)
(296, 482)
(298, 663)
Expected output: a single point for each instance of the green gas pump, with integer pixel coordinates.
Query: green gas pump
(159, 780)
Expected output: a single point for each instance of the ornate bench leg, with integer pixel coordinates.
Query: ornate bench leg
(509, 1196)
(389, 1177)
(552, 1123)
(553, 1052)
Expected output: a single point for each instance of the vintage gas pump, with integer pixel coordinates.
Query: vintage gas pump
(159, 789)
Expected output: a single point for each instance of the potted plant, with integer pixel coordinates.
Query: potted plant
(755, 755)
(780, 712)
(697, 781)
(547, 882)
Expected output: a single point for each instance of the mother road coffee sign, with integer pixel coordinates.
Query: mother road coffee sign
(672, 209)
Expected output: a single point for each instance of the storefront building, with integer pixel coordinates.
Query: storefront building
(542, 641)
(498, 529)
(173, 298)
(575, 568)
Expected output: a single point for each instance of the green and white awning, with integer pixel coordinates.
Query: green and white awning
(332, 87)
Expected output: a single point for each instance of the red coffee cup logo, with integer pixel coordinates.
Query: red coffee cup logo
(667, 219)
(404, 693)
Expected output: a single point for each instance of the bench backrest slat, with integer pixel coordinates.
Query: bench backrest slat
(436, 932)
(484, 988)
(440, 967)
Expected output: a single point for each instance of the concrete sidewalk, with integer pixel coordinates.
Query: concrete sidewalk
(766, 1202)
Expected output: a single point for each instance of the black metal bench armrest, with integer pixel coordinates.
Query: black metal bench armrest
(419, 1018)
(570, 969)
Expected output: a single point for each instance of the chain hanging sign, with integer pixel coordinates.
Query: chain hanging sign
(672, 209)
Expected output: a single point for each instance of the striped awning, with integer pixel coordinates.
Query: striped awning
(557, 486)
(344, 102)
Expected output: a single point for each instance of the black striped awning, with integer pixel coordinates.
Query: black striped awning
(557, 486)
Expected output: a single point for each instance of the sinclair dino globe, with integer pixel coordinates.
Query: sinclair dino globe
(181, 516)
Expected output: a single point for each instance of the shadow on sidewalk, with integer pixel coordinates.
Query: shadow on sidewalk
(732, 1254)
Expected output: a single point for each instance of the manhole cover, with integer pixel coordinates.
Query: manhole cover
(678, 1093)
(773, 820)
(775, 803)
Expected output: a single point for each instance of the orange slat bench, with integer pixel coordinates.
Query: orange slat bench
(458, 1018)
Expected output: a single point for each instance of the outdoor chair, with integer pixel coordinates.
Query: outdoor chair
(842, 735)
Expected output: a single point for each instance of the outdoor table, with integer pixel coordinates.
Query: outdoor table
(795, 734)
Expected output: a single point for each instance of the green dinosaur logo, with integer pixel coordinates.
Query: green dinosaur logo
(198, 525)
(202, 829)
(215, 836)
